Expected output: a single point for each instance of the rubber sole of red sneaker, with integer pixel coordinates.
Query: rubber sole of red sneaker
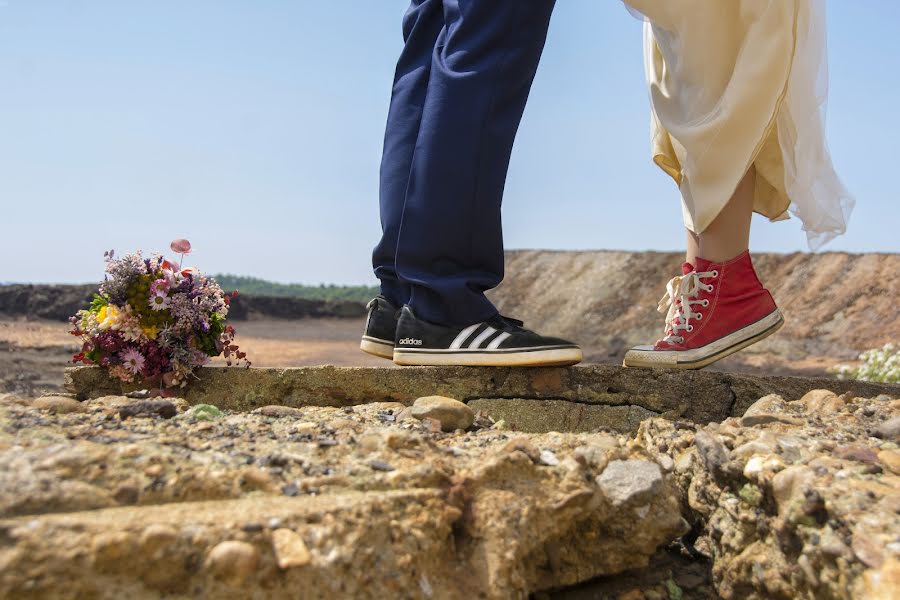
(697, 358)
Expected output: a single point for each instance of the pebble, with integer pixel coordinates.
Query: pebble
(157, 537)
(624, 481)
(451, 413)
(110, 548)
(254, 478)
(822, 402)
(277, 412)
(58, 404)
(380, 465)
(861, 454)
(713, 452)
(233, 561)
(766, 404)
(889, 430)
(789, 486)
(891, 460)
(548, 458)
(148, 408)
(290, 549)
(765, 418)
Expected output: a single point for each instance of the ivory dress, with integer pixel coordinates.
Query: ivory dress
(735, 83)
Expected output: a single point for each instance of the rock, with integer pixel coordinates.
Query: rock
(858, 453)
(58, 404)
(713, 452)
(778, 508)
(891, 460)
(789, 486)
(156, 538)
(548, 458)
(822, 402)
(451, 413)
(254, 478)
(889, 430)
(773, 403)
(290, 549)
(148, 408)
(523, 444)
(761, 469)
(624, 481)
(882, 584)
(765, 418)
(278, 412)
(233, 561)
(111, 549)
(14, 399)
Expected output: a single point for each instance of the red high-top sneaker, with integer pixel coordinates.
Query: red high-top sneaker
(714, 310)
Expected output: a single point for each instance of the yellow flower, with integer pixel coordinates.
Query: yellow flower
(150, 331)
(108, 317)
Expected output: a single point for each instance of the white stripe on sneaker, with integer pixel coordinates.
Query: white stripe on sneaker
(497, 341)
(476, 343)
(463, 335)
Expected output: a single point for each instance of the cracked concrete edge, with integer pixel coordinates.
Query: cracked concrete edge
(701, 396)
(553, 414)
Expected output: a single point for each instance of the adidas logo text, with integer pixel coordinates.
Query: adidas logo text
(410, 342)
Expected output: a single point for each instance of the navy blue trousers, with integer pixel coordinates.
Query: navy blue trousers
(459, 92)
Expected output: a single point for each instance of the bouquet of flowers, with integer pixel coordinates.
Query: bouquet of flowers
(155, 322)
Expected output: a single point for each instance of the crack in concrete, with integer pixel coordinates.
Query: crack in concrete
(581, 403)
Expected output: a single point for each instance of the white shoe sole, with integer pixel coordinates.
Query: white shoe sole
(556, 357)
(697, 358)
(377, 347)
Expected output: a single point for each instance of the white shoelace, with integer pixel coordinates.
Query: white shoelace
(680, 295)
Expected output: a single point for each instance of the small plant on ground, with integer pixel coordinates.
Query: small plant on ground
(879, 364)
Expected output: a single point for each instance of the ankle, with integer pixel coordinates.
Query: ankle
(720, 258)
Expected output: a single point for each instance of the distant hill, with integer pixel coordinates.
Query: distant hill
(835, 304)
(260, 287)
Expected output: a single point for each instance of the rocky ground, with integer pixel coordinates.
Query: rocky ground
(127, 497)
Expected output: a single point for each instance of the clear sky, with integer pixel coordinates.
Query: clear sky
(254, 129)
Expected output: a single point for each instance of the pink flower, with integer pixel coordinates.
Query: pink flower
(180, 246)
(159, 285)
(132, 360)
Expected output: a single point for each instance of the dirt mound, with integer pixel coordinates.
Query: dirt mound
(835, 304)
(59, 302)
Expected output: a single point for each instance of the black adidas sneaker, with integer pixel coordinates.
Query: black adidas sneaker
(498, 342)
(381, 327)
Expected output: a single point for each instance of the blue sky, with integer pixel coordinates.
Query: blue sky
(254, 129)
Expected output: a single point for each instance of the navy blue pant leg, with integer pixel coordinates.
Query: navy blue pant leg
(449, 247)
(422, 25)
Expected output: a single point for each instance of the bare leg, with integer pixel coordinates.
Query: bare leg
(729, 234)
(693, 247)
